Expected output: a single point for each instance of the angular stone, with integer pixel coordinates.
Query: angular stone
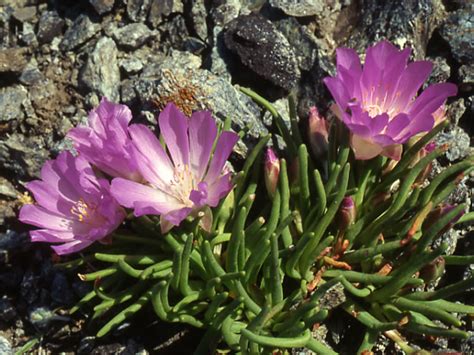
(25, 14)
(263, 49)
(50, 25)
(131, 65)
(163, 8)
(101, 72)
(198, 18)
(11, 101)
(82, 30)
(102, 6)
(13, 60)
(137, 10)
(458, 142)
(7, 189)
(133, 35)
(299, 8)
(31, 74)
(458, 33)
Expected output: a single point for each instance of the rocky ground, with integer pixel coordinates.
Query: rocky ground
(59, 57)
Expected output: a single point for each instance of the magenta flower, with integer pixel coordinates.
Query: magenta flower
(106, 142)
(187, 182)
(73, 207)
(379, 102)
(272, 171)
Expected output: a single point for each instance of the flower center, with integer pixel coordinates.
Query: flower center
(375, 104)
(182, 184)
(82, 210)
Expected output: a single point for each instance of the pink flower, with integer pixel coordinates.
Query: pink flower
(318, 133)
(378, 102)
(187, 182)
(74, 207)
(272, 171)
(106, 143)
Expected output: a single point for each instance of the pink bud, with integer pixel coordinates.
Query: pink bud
(272, 171)
(347, 212)
(318, 133)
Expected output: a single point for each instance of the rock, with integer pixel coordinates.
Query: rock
(302, 41)
(176, 31)
(86, 345)
(405, 23)
(133, 35)
(21, 156)
(300, 8)
(263, 49)
(466, 77)
(7, 189)
(31, 74)
(13, 60)
(178, 78)
(102, 6)
(131, 65)
(198, 18)
(82, 30)
(5, 347)
(11, 100)
(458, 141)
(441, 71)
(101, 73)
(137, 10)
(457, 32)
(7, 312)
(455, 111)
(225, 11)
(25, 14)
(127, 92)
(28, 36)
(61, 291)
(50, 25)
(163, 8)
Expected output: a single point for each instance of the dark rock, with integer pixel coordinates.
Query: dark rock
(50, 26)
(7, 311)
(101, 73)
(176, 31)
(25, 14)
(302, 41)
(31, 74)
(137, 10)
(263, 49)
(12, 99)
(13, 60)
(82, 30)
(30, 289)
(86, 345)
(402, 22)
(61, 291)
(23, 156)
(163, 8)
(457, 31)
(299, 8)
(102, 6)
(466, 77)
(224, 12)
(458, 141)
(198, 18)
(194, 45)
(133, 35)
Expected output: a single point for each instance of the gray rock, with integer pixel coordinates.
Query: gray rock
(21, 156)
(31, 74)
(178, 78)
(198, 18)
(263, 49)
(221, 14)
(133, 35)
(137, 10)
(102, 6)
(176, 31)
(13, 60)
(402, 22)
(466, 77)
(5, 347)
(441, 71)
(101, 73)
(299, 8)
(61, 291)
(28, 36)
(131, 65)
(458, 141)
(25, 14)
(7, 189)
(82, 30)
(455, 111)
(163, 8)
(127, 92)
(50, 26)
(11, 101)
(457, 31)
(302, 41)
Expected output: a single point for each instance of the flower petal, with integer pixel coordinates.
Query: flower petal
(174, 128)
(338, 92)
(202, 134)
(224, 147)
(40, 217)
(71, 247)
(364, 149)
(218, 190)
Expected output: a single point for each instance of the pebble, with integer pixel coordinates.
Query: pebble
(102, 6)
(25, 14)
(300, 8)
(101, 73)
(457, 32)
(50, 26)
(133, 35)
(82, 30)
(137, 10)
(11, 101)
(5, 347)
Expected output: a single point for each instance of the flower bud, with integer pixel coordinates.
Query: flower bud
(272, 171)
(347, 213)
(318, 133)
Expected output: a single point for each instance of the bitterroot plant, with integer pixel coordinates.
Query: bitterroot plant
(344, 217)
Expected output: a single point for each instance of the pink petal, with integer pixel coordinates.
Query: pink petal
(174, 128)
(348, 58)
(202, 134)
(40, 217)
(48, 197)
(364, 149)
(410, 82)
(46, 235)
(431, 99)
(338, 92)
(71, 247)
(393, 151)
(110, 111)
(224, 147)
(219, 190)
